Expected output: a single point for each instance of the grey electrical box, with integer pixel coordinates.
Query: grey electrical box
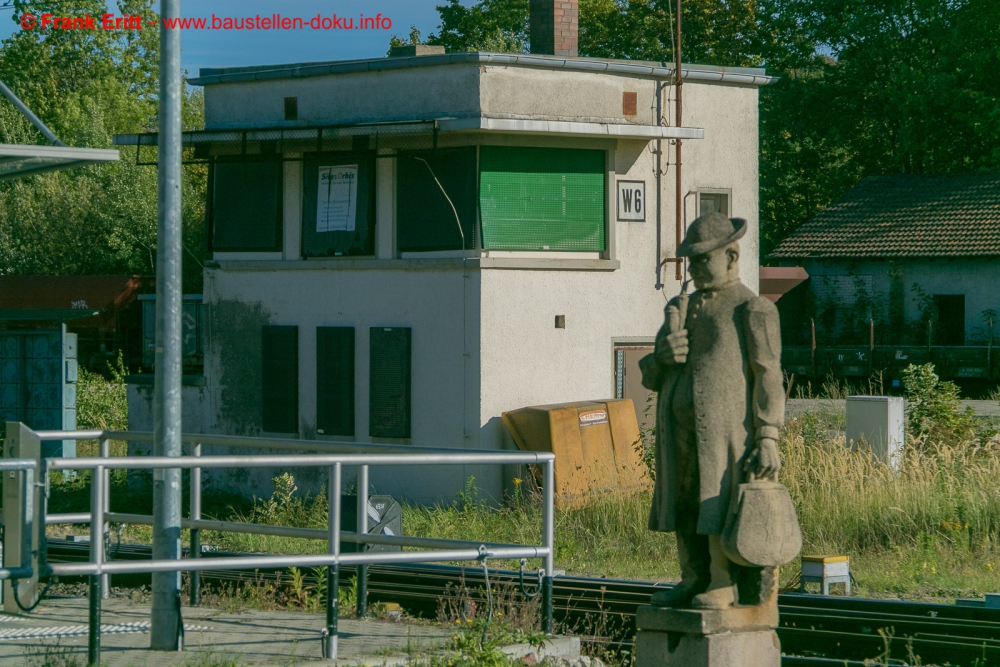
(880, 422)
(384, 518)
(20, 443)
(38, 371)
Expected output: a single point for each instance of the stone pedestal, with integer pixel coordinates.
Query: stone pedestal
(736, 637)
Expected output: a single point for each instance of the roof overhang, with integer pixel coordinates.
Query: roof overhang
(776, 281)
(18, 160)
(517, 126)
(747, 76)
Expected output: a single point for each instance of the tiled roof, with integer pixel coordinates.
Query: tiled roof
(953, 215)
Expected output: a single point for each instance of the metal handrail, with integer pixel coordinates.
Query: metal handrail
(331, 455)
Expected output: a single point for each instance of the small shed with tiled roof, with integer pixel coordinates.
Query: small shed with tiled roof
(900, 251)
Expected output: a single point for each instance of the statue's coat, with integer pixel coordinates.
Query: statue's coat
(735, 366)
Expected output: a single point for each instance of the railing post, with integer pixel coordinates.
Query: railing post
(548, 539)
(362, 572)
(333, 571)
(195, 551)
(105, 527)
(97, 558)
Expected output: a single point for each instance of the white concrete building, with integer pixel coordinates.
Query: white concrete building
(400, 328)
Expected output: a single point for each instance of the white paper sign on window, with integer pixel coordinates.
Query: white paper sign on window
(337, 198)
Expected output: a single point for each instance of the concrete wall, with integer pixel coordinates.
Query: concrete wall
(442, 308)
(525, 359)
(484, 339)
(447, 91)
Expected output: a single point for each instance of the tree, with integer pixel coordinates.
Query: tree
(866, 86)
(88, 85)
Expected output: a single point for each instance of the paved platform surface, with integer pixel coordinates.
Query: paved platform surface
(272, 638)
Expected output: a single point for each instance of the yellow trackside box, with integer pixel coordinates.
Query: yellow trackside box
(596, 444)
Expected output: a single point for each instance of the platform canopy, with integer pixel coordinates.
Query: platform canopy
(19, 160)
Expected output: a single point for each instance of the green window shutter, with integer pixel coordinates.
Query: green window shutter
(542, 198)
(425, 220)
(280, 379)
(360, 240)
(335, 380)
(246, 206)
(389, 383)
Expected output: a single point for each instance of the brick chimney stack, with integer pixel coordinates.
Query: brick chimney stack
(555, 27)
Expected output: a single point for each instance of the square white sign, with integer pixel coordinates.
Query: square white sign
(632, 200)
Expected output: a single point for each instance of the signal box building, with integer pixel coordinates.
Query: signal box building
(405, 248)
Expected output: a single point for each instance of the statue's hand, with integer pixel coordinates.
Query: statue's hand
(764, 461)
(673, 348)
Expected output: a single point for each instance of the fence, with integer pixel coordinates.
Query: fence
(334, 456)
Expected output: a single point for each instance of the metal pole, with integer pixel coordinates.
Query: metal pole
(332, 571)
(105, 446)
(32, 118)
(362, 576)
(195, 532)
(97, 558)
(679, 203)
(166, 621)
(548, 541)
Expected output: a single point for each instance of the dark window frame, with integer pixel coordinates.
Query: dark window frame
(268, 384)
(343, 157)
(324, 391)
(471, 229)
(210, 208)
(374, 429)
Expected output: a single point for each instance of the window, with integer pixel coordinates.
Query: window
(246, 206)
(335, 380)
(338, 212)
(542, 198)
(280, 379)
(713, 200)
(389, 383)
(425, 220)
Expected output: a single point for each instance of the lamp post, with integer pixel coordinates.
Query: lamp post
(166, 617)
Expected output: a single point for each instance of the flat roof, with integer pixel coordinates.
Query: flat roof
(208, 76)
(17, 160)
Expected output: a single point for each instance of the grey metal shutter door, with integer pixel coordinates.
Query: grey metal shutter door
(335, 380)
(389, 383)
(280, 379)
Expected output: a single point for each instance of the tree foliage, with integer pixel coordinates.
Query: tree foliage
(88, 85)
(866, 86)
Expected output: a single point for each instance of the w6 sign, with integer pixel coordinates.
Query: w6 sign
(632, 200)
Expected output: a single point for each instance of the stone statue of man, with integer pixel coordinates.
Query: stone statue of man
(717, 368)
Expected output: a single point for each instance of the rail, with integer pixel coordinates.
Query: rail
(333, 456)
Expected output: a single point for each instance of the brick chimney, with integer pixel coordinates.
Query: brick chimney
(555, 27)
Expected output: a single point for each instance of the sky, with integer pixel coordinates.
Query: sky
(235, 48)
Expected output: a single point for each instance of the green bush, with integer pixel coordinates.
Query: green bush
(933, 408)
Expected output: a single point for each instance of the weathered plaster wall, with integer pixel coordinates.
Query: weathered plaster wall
(484, 340)
(418, 93)
(444, 381)
(977, 279)
(525, 359)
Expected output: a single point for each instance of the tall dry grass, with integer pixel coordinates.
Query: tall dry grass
(851, 502)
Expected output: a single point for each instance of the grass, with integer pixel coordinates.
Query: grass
(929, 531)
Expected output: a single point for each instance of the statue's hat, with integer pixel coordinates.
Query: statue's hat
(710, 231)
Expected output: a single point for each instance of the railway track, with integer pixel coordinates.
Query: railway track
(815, 631)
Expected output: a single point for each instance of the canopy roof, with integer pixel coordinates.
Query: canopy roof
(18, 160)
